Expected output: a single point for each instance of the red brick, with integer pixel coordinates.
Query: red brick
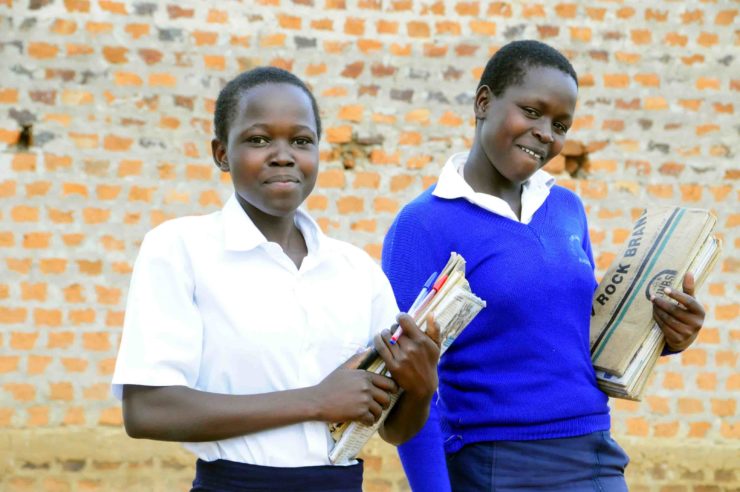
(725, 17)
(56, 339)
(354, 27)
(483, 28)
(675, 39)
(418, 29)
(64, 27)
(113, 7)
(641, 36)
(42, 51)
(386, 27)
(33, 291)
(500, 9)
(566, 10)
(331, 178)
(339, 134)
(96, 341)
(21, 391)
(37, 364)
(350, 204)
(217, 16)
(533, 10)
(9, 363)
(137, 31)
(23, 340)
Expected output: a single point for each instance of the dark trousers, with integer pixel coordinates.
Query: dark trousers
(590, 463)
(230, 476)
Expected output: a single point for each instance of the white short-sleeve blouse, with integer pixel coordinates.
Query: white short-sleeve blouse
(216, 307)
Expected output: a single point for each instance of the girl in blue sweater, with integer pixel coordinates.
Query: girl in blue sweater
(518, 406)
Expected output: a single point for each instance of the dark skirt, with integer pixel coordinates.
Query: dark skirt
(230, 476)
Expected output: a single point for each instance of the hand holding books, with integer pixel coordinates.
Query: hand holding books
(680, 320)
(637, 306)
(411, 376)
(343, 393)
(452, 306)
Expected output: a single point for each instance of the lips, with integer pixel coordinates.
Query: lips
(282, 178)
(535, 153)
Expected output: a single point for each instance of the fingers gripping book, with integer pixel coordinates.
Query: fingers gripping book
(663, 246)
(449, 298)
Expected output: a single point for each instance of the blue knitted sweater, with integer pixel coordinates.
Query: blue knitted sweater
(522, 369)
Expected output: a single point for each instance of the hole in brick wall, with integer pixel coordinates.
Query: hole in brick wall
(358, 149)
(25, 120)
(25, 139)
(575, 156)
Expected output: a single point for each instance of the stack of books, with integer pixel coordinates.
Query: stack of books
(625, 341)
(448, 296)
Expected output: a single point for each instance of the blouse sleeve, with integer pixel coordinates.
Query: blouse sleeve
(384, 307)
(162, 332)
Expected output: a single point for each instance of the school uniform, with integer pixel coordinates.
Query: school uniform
(216, 307)
(518, 407)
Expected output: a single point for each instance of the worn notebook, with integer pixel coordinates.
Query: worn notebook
(454, 305)
(664, 245)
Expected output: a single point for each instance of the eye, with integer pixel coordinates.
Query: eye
(561, 128)
(258, 141)
(531, 112)
(303, 141)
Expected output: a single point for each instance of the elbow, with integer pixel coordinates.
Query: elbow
(391, 438)
(133, 432)
(398, 438)
(135, 426)
(139, 421)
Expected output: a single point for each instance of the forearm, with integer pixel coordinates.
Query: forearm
(178, 413)
(406, 418)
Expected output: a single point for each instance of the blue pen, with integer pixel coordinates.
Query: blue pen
(423, 293)
(417, 301)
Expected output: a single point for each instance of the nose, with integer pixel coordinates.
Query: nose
(282, 155)
(543, 131)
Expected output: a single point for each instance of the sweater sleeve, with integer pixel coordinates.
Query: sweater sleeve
(408, 260)
(423, 458)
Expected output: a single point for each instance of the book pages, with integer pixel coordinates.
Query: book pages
(454, 306)
(626, 343)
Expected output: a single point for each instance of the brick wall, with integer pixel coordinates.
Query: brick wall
(105, 122)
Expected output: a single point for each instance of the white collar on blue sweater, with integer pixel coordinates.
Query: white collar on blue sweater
(451, 185)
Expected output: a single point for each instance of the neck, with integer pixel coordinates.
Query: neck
(480, 173)
(277, 229)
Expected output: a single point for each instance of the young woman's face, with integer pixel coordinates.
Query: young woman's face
(523, 128)
(272, 152)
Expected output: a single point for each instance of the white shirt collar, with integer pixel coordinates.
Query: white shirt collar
(452, 185)
(240, 233)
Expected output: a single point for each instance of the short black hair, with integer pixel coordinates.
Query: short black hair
(228, 99)
(508, 65)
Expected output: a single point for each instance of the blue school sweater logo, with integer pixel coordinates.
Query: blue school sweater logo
(577, 249)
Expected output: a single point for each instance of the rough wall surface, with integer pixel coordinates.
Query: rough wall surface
(105, 123)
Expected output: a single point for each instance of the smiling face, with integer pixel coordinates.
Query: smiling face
(521, 130)
(272, 150)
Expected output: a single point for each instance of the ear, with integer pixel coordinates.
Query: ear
(218, 149)
(483, 98)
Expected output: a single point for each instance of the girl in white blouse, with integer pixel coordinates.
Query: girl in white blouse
(242, 327)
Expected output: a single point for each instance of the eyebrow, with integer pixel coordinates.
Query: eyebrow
(263, 126)
(294, 127)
